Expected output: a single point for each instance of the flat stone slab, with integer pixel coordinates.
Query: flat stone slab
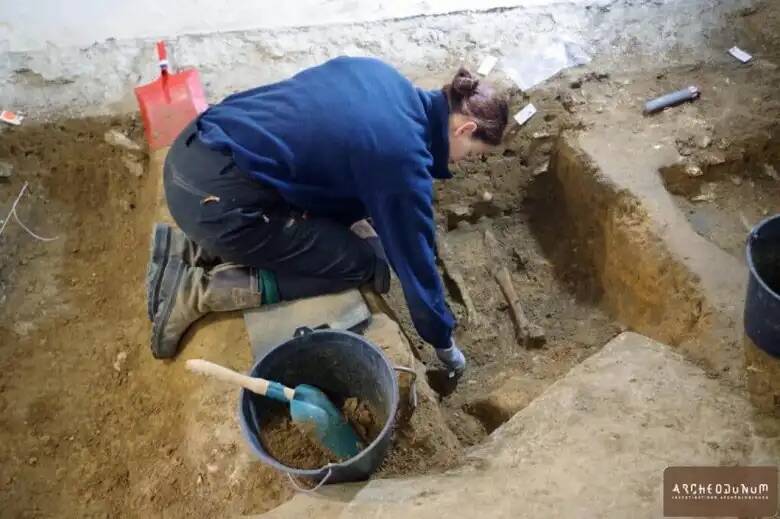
(272, 325)
(594, 444)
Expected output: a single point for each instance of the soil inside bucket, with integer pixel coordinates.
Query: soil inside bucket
(297, 446)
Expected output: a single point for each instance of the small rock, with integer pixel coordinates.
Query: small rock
(455, 214)
(703, 141)
(117, 138)
(200, 479)
(707, 194)
(715, 158)
(119, 361)
(577, 83)
(519, 259)
(748, 11)
(211, 468)
(487, 196)
(736, 180)
(693, 170)
(541, 168)
(704, 197)
(6, 169)
(33, 460)
(567, 100)
(133, 166)
(541, 135)
(770, 171)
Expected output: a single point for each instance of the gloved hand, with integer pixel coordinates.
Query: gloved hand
(453, 358)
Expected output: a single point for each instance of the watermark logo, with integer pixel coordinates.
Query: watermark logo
(720, 491)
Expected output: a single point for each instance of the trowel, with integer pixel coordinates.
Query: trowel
(308, 406)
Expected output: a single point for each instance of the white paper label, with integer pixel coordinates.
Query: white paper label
(740, 54)
(525, 114)
(487, 65)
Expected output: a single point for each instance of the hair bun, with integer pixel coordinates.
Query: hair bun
(464, 84)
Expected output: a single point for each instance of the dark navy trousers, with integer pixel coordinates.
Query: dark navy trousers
(241, 220)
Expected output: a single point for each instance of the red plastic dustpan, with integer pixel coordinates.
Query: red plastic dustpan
(170, 102)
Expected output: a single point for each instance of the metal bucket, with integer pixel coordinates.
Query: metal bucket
(762, 306)
(343, 365)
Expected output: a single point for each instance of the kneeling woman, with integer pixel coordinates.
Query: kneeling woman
(267, 184)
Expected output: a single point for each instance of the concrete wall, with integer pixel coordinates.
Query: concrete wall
(28, 25)
(69, 72)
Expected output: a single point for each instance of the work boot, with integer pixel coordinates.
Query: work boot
(167, 242)
(188, 292)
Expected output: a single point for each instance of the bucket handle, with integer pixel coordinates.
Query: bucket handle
(306, 330)
(413, 392)
(315, 488)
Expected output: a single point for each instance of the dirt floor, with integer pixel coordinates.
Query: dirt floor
(725, 187)
(505, 195)
(129, 435)
(92, 426)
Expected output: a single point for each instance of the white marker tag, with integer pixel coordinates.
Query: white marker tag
(740, 54)
(487, 65)
(525, 114)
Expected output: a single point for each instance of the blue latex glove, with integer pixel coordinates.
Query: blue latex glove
(453, 358)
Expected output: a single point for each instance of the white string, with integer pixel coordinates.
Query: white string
(314, 489)
(16, 217)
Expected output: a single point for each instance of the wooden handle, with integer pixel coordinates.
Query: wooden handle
(253, 384)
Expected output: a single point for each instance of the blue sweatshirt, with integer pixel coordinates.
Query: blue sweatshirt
(348, 139)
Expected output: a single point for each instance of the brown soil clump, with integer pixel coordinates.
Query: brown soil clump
(293, 444)
(297, 446)
(362, 419)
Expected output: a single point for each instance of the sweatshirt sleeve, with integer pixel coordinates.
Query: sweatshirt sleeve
(404, 222)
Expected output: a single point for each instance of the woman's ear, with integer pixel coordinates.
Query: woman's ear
(467, 129)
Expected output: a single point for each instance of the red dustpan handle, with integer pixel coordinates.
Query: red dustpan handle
(162, 55)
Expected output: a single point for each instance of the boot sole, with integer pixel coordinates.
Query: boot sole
(168, 291)
(158, 260)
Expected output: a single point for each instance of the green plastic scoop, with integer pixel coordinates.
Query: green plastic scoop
(308, 405)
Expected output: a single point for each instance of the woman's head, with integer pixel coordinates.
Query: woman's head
(478, 115)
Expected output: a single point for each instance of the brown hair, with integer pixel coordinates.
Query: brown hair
(468, 96)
